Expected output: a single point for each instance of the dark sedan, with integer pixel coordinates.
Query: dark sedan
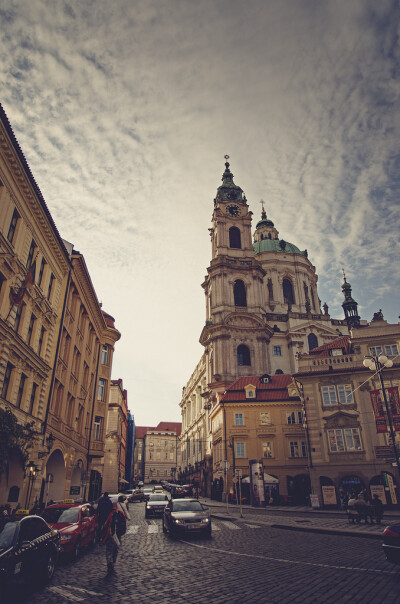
(186, 516)
(155, 505)
(28, 550)
(391, 543)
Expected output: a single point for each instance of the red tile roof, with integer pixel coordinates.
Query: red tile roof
(141, 431)
(170, 427)
(276, 390)
(323, 351)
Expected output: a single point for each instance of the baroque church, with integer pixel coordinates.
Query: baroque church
(262, 310)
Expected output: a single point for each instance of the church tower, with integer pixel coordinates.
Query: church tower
(349, 306)
(236, 334)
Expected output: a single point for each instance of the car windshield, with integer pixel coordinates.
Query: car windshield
(61, 515)
(187, 506)
(157, 498)
(7, 534)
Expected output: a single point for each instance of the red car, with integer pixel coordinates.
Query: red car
(76, 523)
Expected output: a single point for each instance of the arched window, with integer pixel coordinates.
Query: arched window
(234, 238)
(312, 341)
(243, 355)
(288, 291)
(239, 293)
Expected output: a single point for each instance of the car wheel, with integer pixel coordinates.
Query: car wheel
(49, 568)
(77, 550)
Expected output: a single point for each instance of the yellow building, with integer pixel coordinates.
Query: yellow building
(116, 439)
(260, 418)
(34, 269)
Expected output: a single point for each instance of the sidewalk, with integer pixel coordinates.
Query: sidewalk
(286, 517)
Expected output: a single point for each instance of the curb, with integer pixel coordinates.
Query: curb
(326, 531)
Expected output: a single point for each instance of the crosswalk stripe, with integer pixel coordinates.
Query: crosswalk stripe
(251, 525)
(231, 526)
(133, 529)
(215, 527)
(153, 528)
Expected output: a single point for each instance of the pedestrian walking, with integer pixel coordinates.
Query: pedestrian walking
(104, 508)
(378, 508)
(110, 539)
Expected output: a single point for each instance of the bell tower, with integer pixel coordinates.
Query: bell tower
(236, 333)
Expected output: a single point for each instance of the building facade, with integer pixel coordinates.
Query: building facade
(351, 449)
(116, 439)
(157, 452)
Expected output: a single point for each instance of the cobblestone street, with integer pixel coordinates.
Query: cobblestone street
(246, 560)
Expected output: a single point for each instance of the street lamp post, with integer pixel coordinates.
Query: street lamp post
(32, 469)
(378, 363)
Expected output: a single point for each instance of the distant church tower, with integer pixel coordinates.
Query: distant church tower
(349, 306)
(236, 333)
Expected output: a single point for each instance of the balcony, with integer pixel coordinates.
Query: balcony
(350, 361)
(96, 449)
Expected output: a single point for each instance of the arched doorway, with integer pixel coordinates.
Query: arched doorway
(299, 489)
(56, 467)
(351, 484)
(12, 479)
(384, 485)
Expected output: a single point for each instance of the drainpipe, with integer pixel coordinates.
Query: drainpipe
(91, 421)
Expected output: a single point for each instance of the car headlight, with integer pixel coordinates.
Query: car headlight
(66, 537)
(177, 521)
(205, 520)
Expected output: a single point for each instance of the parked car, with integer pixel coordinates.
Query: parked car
(155, 505)
(158, 489)
(177, 492)
(137, 495)
(185, 516)
(187, 490)
(29, 550)
(77, 525)
(391, 543)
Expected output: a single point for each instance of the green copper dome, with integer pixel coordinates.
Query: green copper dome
(276, 245)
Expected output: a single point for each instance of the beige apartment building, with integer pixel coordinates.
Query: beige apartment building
(116, 439)
(157, 452)
(348, 453)
(34, 271)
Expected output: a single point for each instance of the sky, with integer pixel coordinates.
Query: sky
(125, 110)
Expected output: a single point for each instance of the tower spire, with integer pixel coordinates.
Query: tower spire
(349, 305)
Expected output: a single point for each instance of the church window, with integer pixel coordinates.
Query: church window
(269, 235)
(243, 355)
(312, 341)
(239, 293)
(234, 238)
(277, 351)
(288, 295)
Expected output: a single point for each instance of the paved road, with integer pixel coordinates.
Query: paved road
(245, 561)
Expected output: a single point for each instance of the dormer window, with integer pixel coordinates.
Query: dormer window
(336, 352)
(250, 391)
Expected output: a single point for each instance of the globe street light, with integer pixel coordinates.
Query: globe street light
(377, 364)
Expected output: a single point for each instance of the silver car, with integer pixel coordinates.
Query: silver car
(186, 516)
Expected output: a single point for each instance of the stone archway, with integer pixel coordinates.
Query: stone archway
(55, 476)
(12, 479)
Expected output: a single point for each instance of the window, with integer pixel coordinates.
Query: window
(336, 352)
(346, 439)
(6, 382)
(312, 341)
(239, 419)
(287, 288)
(294, 417)
(334, 395)
(390, 350)
(52, 277)
(30, 329)
(277, 351)
(32, 399)
(298, 449)
(243, 355)
(101, 391)
(240, 450)
(13, 226)
(97, 428)
(265, 418)
(104, 354)
(239, 293)
(42, 265)
(30, 255)
(267, 450)
(18, 316)
(235, 238)
(20, 390)
(42, 332)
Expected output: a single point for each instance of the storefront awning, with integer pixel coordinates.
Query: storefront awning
(268, 479)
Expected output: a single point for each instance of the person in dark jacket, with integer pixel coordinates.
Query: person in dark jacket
(104, 509)
(110, 539)
(378, 508)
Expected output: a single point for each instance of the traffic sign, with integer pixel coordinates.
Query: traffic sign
(219, 472)
(234, 480)
(225, 464)
(239, 473)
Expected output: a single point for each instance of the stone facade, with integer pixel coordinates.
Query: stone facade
(116, 439)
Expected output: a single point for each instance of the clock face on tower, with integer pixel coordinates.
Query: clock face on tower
(233, 210)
